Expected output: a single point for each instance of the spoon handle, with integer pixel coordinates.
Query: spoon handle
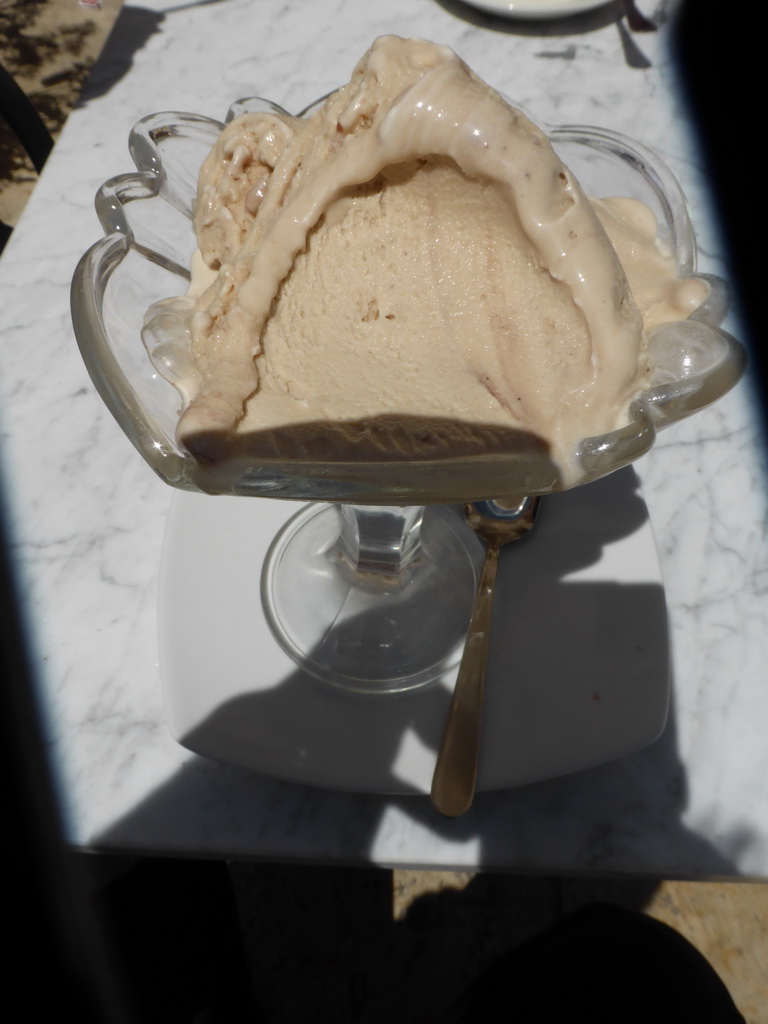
(455, 777)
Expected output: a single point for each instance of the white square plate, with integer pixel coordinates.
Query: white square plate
(578, 673)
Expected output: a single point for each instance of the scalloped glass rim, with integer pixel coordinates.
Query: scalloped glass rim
(697, 361)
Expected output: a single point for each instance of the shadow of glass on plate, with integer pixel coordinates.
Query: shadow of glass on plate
(619, 817)
(320, 933)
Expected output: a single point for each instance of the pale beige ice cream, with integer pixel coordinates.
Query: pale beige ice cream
(411, 273)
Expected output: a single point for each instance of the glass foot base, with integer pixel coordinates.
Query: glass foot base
(371, 632)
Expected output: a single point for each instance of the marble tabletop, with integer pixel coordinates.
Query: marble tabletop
(87, 517)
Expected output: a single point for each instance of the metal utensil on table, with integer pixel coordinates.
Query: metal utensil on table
(455, 776)
(631, 21)
(636, 20)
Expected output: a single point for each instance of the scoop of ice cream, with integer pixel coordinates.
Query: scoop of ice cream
(234, 180)
(412, 273)
(661, 295)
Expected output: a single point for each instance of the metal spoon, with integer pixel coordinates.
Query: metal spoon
(455, 777)
(636, 20)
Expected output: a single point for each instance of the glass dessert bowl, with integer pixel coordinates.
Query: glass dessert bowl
(371, 556)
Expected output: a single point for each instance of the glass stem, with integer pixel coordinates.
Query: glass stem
(380, 540)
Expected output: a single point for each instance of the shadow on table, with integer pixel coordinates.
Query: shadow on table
(605, 819)
(550, 615)
(133, 28)
(325, 935)
(319, 936)
(602, 822)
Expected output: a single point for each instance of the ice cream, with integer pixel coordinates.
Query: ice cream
(411, 274)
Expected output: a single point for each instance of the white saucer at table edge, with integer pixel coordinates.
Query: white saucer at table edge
(536, 9)
(578, 673)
